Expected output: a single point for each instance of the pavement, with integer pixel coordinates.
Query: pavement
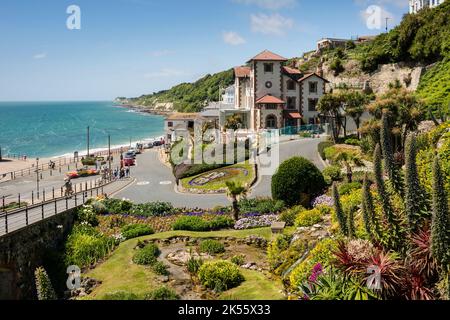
(155, 181)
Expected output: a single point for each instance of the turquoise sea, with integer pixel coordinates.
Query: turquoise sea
(48, 129)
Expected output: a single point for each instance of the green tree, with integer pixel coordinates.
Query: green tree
(440, 226)
(234, 122)
(44, 286)
(349, 160)
(235, 191)
(415, 204)
(330, 106)
(340, 215)
(355, 106)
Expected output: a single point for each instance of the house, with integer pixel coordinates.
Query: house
(331, 43)
(270, 95)
(177, 124)
(417, 5)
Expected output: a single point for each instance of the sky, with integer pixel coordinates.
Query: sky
(133, 47)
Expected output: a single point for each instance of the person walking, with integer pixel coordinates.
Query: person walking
(127, 172)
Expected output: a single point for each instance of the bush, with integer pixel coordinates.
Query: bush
(85, 246)
(296, 181)
(332, 173)
(193, 265)
(261, 205)
(160, 268)
(116, 206)
(120, 296)
(87, 214)
(347, 188)
(212, 247)
(136, 230)
(99, 207)
(146, 255)
(289, 215)
(308, 218)
(162, 293)
(353, 142)
(194, 223)
(337, 66)
(238, 260)
(322, 146)
(221, 222)
(220, 275)
(152, 209)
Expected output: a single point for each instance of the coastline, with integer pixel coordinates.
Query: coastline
(145, 109)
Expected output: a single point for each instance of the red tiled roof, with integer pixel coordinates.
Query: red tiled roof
(242, 72)
(293, 115)
(291, 71)
(269, 99)
(306, 76)
(266, 55)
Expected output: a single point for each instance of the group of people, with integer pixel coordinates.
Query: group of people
(123, 172)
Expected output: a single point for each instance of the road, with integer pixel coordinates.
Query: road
(155, 182)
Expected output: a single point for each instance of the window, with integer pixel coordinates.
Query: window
(269, 85)
(170, 124)
(313, 87)
(191, 124)
(271, 106)
(268, 67)
(291, 103)
(271, 122)
(291, 85)
(312, 104)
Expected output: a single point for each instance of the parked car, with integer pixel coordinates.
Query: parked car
(148, 145)
(129, 161)
(130, 154)
(157, 143)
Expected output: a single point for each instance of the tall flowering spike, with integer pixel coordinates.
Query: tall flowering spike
(371, 222)
(440, 225)
(415, 205)
(339, 212)
(393, 172)
(43, 285)
(351, 224)
(394, 228)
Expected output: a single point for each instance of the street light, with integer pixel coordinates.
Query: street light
(37, 176)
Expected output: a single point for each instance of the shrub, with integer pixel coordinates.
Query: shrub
(190, 223)
(353, 142)
(296, 181)
(347, 188)
(88, 215)
(160, 268)
(85, 246)
(136, 230)
(238, 260)
(152, 209)
(289, 215)
(212, 247)
(120, 296)
(261, 205)
(332, 173)
(322, 146)
(99, 207)
(116, 206)
(44, 286)
(308, 218)
(193, 265)
(162, 293)
(221, 222)
(275, 248)
(220, 275)
(146, 255)
(337, 66)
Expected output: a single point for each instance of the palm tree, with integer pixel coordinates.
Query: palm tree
(349, 160)
(235, 191)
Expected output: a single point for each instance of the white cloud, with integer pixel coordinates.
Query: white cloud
(39, 56)
(165, 73)
(375, 17)
(269, 4)
(162, 53)
(397, 3)
(233, 38)
(274, 24)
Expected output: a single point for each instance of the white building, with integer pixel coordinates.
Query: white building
(417, 5)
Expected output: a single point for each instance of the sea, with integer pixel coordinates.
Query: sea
(53, 129)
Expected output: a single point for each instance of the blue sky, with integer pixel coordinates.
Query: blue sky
(133, 47)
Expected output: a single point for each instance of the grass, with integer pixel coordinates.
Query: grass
(255, 287)
(219, 184)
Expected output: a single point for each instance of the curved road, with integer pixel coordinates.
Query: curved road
(155, 182)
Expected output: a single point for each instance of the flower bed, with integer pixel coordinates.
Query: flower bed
(255, 222)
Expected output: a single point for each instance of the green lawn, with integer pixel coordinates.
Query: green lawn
(218, 184)
(255, 287)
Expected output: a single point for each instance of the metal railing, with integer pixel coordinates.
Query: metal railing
(25, 214)
(310, 128)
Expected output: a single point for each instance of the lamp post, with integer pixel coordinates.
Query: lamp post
(37, 176)
(109, 157)
(88, 138)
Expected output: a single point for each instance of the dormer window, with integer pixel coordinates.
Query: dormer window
(268, 67)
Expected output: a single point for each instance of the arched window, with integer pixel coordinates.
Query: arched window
(271, 122)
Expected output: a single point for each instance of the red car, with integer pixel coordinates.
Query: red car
(128, 162)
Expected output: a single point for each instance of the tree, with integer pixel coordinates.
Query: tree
(415, 204)
(234, 122)
(349, 159)
(394, 227)
(355, 106)
(440, 224)
(44, 286)
(235, 191)
(340, 215)
(393, 172)
(330, 105)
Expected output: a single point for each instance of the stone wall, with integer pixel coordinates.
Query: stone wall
(21, 252)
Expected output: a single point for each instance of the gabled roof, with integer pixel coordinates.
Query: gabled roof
(266, 55)
(269, 99)
(308, 75)
(242, 72)
(293, 71)
(182, 116)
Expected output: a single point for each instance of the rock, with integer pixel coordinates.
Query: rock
(164, 279)
(318, 226)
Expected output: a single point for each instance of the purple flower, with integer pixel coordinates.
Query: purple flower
(323, 200)
(316, 272)
(255, 222)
